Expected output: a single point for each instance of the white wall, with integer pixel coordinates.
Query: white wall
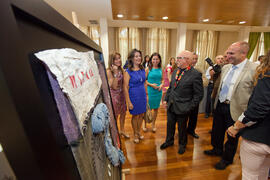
(226, 38)
(111, 34)
(172, 45)
(189, 40)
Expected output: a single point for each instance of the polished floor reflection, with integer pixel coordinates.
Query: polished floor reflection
(146, 161)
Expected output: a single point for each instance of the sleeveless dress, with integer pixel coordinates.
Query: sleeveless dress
(118, 97)
(137, 92)
(154, 95)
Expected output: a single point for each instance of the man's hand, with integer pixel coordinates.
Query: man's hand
(232, 131)
(211, 72)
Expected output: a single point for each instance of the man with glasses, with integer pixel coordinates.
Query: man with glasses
(184, 94)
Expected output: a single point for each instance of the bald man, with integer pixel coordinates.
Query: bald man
(184, 94)
(235, 88)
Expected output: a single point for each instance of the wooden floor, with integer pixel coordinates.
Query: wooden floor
(145, 161)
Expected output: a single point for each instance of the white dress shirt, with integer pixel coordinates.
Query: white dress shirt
(207, 74)
(236, 74)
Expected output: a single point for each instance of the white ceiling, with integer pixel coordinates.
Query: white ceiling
(85, 9)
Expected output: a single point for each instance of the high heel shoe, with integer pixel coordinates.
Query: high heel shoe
(144, 128)
(141, 137)
(124, 135)
(136, 139)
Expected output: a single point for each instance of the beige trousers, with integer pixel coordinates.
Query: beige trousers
(255, 159)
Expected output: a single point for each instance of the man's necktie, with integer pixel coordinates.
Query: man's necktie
(225, 88)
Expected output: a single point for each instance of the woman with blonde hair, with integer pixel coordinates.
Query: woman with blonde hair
(254, 127)
(116, 81)
(135, 91)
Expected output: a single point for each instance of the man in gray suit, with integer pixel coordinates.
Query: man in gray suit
(235, 88)
(184, 94)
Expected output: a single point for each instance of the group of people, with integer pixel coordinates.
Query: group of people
(140, 83)
(239, 93)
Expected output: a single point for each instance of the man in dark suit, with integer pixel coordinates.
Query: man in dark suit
(235, 87)
(193, 115)
(184, 94)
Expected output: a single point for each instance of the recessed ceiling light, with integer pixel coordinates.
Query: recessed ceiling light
(120, 15)
(205, 20)
(165, 17)
(242, 22)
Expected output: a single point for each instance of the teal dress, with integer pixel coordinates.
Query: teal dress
(154, 95)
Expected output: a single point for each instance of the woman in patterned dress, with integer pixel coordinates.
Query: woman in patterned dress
(135, 91)
(116, 81)
(167, 76)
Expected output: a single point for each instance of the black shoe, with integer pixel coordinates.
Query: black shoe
(213, 152)
(181, 149)
(165, 145)
(194, 134)
(206, 116)
(222, 164)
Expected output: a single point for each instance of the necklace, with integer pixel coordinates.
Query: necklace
(178, 77)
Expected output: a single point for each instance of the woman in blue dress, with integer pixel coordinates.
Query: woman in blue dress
(154, 86)
(135, 91)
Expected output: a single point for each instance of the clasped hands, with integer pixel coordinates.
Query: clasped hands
(155, 86)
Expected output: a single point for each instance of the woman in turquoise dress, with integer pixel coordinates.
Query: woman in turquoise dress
(154, 86)
(135, 92)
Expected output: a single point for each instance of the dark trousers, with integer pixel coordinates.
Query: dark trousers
(222, 120)
(181, 120)
(208, 105)
(192, 119)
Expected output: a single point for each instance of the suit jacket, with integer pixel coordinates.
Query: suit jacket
(242, 89)
(187, 94)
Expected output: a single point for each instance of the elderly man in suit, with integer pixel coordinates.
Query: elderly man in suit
(184, 94)
(234, 90)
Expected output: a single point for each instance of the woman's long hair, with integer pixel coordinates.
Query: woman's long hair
(263, 68)
(144, 60)
(173, 66)
(111, 61)
(131, 57)
(150, 61)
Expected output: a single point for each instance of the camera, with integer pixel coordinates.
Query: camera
(216, 68)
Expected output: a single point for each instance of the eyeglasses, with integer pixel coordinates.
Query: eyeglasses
(179, 58)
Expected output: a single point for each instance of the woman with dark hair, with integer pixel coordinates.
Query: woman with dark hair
(116, 81)
(154, 86)
(135, 91)
(254, 127)
(167, 76)
(146, 61)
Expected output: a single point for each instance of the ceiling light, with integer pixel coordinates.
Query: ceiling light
(120, 15)
(165, 17)
(242, 22)
(205, 20)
